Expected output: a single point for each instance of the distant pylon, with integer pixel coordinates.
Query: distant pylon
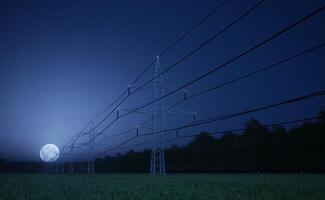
(71, 168)
(157, 164)
(91, 168)
(57, 165)
(62, 168)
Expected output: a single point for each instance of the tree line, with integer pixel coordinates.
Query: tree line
(256, 149)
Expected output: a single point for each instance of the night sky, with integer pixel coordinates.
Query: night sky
(62, 62)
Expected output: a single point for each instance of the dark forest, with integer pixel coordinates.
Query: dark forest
(257, 149)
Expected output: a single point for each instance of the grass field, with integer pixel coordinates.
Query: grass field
(187, 186)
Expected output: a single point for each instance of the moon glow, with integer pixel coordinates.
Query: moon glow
(49, 153)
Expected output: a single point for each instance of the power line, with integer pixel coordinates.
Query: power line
(142, 143)
(177, 62)
(235, 58)
(188, 32)
(200, 46)
(284, 60)
(264, 126)
(306, 17)
(113, 103)
(72, 140)
(173, 44)
(221, 66)
(231, 60)
(192, 28)
(123, 133)
(132, 129)
(226, 83)
(257, 71)
(223, 117)
(121, 144)
(232, 81)
(184, 57)
(243, 129)
(115, 135)
(215, 132)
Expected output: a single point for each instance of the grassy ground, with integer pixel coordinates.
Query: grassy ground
(187, 187)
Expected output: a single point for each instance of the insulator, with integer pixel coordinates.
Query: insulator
(194, 116)
(129, 90)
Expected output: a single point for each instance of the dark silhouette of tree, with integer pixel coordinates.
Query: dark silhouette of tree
(321, 114)
(256, 149)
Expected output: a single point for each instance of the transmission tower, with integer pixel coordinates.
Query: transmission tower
(62, 168)
(91, 168)
(71, 167)
(157, 164)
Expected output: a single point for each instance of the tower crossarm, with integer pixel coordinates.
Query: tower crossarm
(140, 111)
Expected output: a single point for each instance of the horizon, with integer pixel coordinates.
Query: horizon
(63, 63)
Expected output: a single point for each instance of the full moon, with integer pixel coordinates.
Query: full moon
(49, 153)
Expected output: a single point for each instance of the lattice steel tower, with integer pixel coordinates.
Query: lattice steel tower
(157, 165)
(91, 167)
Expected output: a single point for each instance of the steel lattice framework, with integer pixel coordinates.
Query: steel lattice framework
(157, 164)
(91, 167)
